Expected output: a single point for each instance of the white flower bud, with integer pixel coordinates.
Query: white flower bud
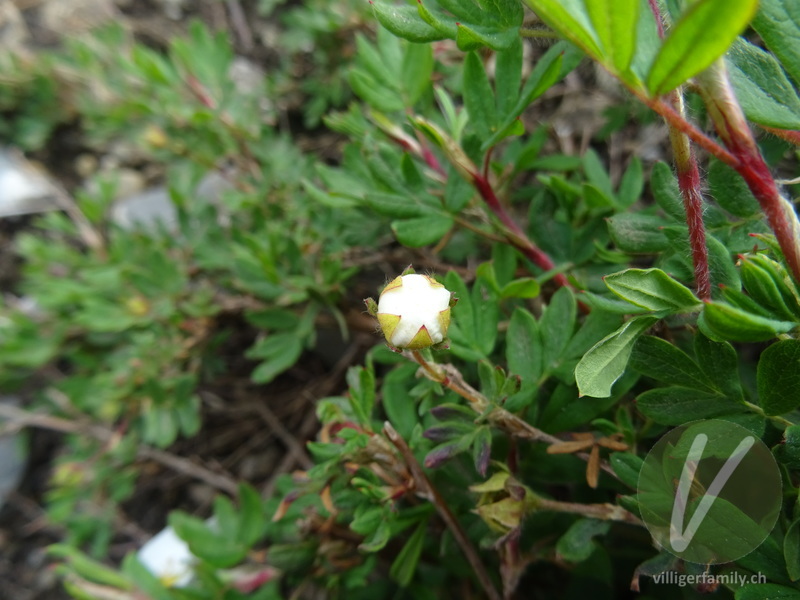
(414, 312)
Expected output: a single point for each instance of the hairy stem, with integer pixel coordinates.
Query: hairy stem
(732, 127)
(514, 232)
(689, 185)
(605, 512)
(426, 489)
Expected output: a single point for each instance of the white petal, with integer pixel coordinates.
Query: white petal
(167, 557)
(418, 304)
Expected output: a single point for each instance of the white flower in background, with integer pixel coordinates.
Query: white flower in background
(168, 557)
(413, 311)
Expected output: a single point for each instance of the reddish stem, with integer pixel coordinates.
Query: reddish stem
(790, 135)
(657, 14)
(689, 183)
(514, 232)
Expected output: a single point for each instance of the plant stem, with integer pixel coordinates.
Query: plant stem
(732, 127)
(790, 135)
(605, 512)
(450, 377)
(426, 489)
(514, 232)
(689, 185)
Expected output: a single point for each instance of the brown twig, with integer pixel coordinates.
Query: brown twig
(450, 377)
(426, 489)
(20, 418)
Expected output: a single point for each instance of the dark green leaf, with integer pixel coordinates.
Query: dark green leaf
(404, 566)
(665, 190)
(556, 325)
(416, 71)
(524, 346)
(627, 467)
(508, 78)
(527, 287)
(422, 231)
(478, 96)
(637, 233)
(662, 361)
(730, 190)
(778, 24)
(791, 550)
(677, 405)
(576, 544)
(766, 591)
(779, 377)
(766, 95)
(720, 365)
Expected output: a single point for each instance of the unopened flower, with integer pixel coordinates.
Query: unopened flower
(413, 312)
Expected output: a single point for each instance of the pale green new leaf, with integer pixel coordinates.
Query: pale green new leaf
(605, 362)
(652, 289)
(615, 23)
(701, 36)
(570, 19)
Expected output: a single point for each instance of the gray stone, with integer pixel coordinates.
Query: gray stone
(23, 188)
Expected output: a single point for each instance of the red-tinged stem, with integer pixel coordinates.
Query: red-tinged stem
(676, 120)
(732, 127)
(790, 135)
(689, 185)
(654, 8)
(430, 158)
(514, 232)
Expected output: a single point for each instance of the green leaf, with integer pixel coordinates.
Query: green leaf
(627, 467)
(779, 377)
(570, 19)
(422, 231)
(524, 346)
(405, 22)
(791, 550)
(652, 289)
(280, 352)
(508, 78)
(526, 287)
(614, 24)
(478, 96)
(762, 88)
(404, 566)
(767, 288)
(605, 362)
(576, 544)
(416, 71)
(373, 93)
(637, 233)
(676, 405)
(556, 325)
(730, 190)
(726, 322)
(666, 192)
(252, 519)
(720, 364)
(219, 550)
(632, 184)
(766, 591)
(662, 361)
(702, 34)
(396, 400)
(778, 24)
